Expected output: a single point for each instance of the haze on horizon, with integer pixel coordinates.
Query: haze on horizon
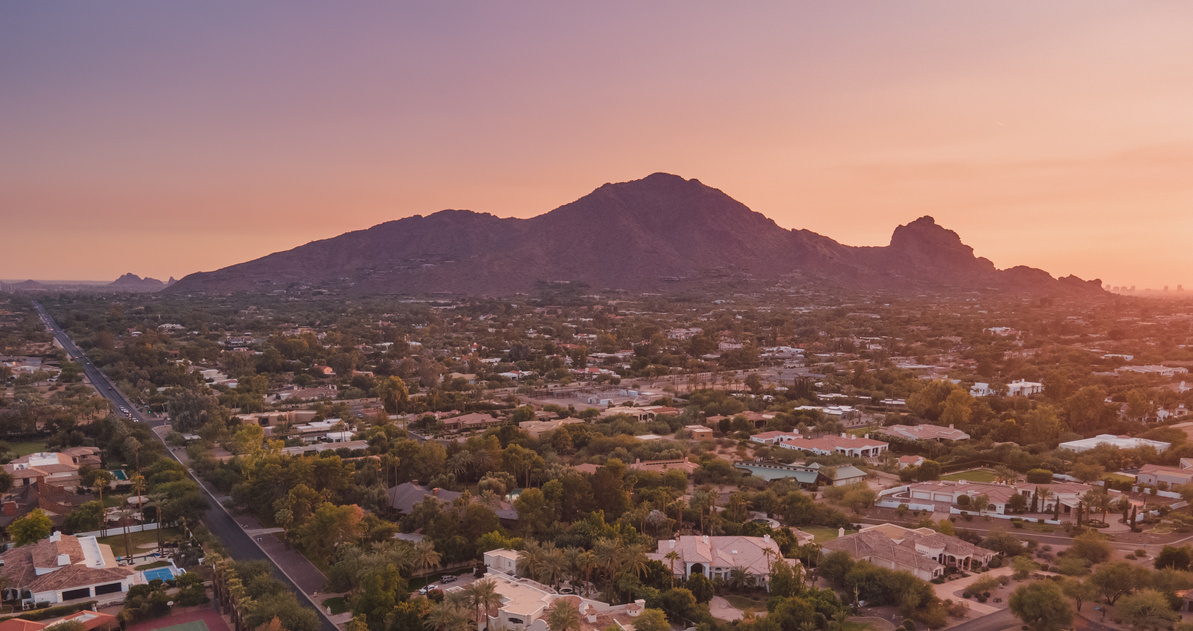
(165, 139)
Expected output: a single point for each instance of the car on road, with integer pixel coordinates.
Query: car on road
(450, 578)
(427, 589)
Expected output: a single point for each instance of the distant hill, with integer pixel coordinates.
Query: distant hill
(658, 233)
(132, 282)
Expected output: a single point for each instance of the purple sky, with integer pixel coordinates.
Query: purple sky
(167, 138)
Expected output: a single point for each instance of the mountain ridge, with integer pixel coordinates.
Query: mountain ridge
(651, 234)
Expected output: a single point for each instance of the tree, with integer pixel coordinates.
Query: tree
(1042, 606)
(652, 620)
(449, 616)
(329, 527)
(1017, 503)
(31, 528)
(1147, 609)
(927, 471)
(1079, 590)
(394, 395)
(1091, 546)
(1173, 558)
(1088, 472)
(88, 516)
(483, 596)
(425, 556)
(1114, 580)
(564, 616)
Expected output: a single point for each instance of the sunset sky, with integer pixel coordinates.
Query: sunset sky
(165, 138)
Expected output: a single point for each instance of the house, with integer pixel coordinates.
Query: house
(981, 389)
(61, 568)
(807, 475)
(404, 497)
(526, 604)
(1121, 442)
(699, 432)
(504, 561)
(772, 438)
(922, 551)
(1023, 388)
(718, 556)
(91, 621)
(638, 414)
(663, 466)
(946, 494)
(911, 461)
(468, 422)
(1154, 475)
(923, 432)
(848, 444)
(537, 429)
(58, 469)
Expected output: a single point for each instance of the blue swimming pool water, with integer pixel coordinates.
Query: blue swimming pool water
(119, 474)
(160, 573)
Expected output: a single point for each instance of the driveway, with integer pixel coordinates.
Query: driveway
(722, 610)
(952, 591)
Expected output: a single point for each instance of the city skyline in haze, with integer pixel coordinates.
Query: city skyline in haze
(169, 139)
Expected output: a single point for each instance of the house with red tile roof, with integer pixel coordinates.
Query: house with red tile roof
(61, 568)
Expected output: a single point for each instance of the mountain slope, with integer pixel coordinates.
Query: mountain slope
(658, 232)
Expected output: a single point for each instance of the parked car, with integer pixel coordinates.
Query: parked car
(450, 578)
(427, 589)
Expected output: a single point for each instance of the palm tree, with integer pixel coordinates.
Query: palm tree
(585, 562)
(425, 556)
(554, 566)
(609, 554)
(672, 556)
(839, 619)
(737, 577)
(483, 596)
(449, 615)
(564, 616)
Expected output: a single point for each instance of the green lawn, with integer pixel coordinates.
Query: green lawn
(115, 539)
(976, 475)
(337, 605)
(850, 625)
(26, 448)
(1117, 477)
(822, 533)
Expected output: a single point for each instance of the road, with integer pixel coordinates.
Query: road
(1004, 619)
(240, 546)
(102, 384)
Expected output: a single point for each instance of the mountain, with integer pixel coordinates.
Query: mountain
(658, 233)
(132, 282)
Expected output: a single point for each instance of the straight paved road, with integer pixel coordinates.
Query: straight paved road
(240, 546)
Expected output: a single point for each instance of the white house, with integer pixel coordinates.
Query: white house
(1122, 442)
(61, 568)
(1023, 388)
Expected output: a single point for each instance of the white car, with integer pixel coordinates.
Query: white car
(429, 588)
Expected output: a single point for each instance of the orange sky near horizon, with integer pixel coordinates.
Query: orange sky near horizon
(168, 139)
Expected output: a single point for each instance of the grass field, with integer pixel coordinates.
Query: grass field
(26, 448)
(976, 475)
(746, 603)
(823, 533)
(337, 605)
(115, 538)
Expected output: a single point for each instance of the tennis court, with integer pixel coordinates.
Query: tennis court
(205, 619)
(193, 625)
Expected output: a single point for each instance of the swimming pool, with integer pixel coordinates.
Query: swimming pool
(159, 573)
